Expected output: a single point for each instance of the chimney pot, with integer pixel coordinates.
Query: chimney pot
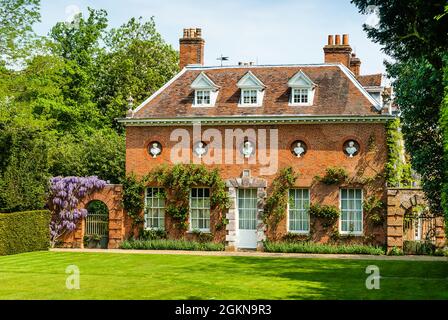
(191, 47)
(337, 39)
(330, 40)
(345, 39)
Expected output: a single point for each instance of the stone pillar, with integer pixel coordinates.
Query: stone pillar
(395, 217)
(231, 217)
(261, 227)
(440, 232)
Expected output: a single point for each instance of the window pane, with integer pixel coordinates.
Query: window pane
(200, 209)
(154, 208)
(298, 213)
(351, 210)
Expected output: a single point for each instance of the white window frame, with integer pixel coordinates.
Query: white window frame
(304, 232)
(196, 96)
(160, 209)
(190, 215)
(354, 233)
(258, 96)
(301, 94)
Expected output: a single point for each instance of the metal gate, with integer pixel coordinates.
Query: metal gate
(97, 225)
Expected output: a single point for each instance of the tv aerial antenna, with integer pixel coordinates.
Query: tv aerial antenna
(222, 58)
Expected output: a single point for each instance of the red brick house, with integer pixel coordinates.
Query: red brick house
(268, 117)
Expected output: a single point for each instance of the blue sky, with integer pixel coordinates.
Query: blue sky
(267, 32)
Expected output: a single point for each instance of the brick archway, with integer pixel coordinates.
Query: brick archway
(400, 201)
(111, 195)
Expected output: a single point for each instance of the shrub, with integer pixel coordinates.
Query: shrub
(152, 234)
(418, 247)
(329, 214)
(163, 244)
(395, 251)
(333, 175)
(311, 247)
(24, 232)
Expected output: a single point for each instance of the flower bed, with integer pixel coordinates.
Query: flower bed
(163, 244)
(311, 247)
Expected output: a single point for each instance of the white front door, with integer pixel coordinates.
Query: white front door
(247, 218)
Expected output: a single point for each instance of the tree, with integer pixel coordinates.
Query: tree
(409, 28)
(16, 20)
(23, 161)
(138, 63)
(415, 33)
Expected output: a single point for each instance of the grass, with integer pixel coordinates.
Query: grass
(163, 244)
(41, 275)
(312, 247)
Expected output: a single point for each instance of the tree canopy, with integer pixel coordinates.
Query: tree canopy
(58, 109)
(415, 34)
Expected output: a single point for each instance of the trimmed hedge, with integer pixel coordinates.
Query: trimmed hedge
(163, 244)
(311, 247)
(24, 231)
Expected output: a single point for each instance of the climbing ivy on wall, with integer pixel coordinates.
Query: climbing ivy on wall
(178, 181)
(133, 193)
(398, 172)
(277, 202)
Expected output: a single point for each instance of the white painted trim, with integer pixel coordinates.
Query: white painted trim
(358, 85)
(155, 94)
(249, 75)
(348, 233)
(300, 74)
(210, 84)
(257, 119)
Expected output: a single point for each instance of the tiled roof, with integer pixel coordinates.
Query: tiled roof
(337, 93)
(371, 80)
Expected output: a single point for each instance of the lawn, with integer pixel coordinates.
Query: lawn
(41, 275)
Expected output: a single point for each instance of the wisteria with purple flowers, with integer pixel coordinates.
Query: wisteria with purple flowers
(65, 195)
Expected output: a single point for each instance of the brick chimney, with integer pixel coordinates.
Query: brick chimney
(355, 64)
(191, 47)
(337, 52)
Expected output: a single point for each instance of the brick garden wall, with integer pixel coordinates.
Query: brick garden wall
(111, 195)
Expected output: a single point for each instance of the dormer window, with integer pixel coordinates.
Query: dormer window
(252, 91)
(202, 97)
(205, 91)
(302, 90)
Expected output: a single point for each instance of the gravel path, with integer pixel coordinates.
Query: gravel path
(260, 254)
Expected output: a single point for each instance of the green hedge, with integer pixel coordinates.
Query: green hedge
(311, 247)
(163, 244)
(24, 231)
